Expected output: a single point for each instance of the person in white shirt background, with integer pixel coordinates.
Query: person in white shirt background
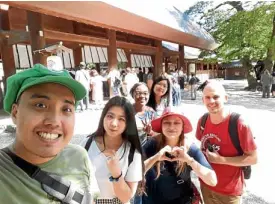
(113, 75)
(97, 89)
(84, 78)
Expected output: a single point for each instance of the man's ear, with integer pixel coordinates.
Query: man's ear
(202, 98)
(225, 98)
(14, 111)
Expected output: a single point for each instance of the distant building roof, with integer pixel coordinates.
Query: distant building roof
(189, 52)
(233, 64)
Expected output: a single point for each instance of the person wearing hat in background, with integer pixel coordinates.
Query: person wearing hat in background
(169, 162)
(84, 78)
(42, 104)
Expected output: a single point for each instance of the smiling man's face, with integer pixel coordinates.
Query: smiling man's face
(214, 98)
(44, 118)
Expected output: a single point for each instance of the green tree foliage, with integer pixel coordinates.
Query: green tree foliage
(245, 34)
(244, 30)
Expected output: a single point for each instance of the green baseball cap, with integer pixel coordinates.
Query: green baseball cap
(39, 74)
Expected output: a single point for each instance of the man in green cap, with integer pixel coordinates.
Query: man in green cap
(40, 166)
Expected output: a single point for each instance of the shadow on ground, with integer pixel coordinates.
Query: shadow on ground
(237, 96)
(251, 198)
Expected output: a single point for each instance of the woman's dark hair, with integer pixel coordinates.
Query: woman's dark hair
(132, 91)
(152, 101)
(130, 133)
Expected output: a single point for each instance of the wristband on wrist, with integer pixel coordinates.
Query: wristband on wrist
(112, 179)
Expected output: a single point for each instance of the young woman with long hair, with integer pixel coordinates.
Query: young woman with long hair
(169, 163)
(160, 95)
(110, 149)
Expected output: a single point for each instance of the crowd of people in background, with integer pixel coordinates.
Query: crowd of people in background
(102, 84)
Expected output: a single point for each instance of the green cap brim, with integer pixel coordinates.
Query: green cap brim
(77, 88)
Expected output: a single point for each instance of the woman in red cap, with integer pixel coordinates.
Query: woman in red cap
(169, 163)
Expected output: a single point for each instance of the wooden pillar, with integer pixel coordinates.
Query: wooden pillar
(77, 51)
(77, 56)
(201, 65)
(166, 65)
(158, 69)
(128, 56)
(8, 61)
(181, 58)
(112, 50)
(6, 53)
(36, 28)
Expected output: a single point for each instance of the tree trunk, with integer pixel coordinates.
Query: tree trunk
(251, 76)
(270, 51)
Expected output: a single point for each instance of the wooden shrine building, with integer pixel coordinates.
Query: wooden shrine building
(79, 25)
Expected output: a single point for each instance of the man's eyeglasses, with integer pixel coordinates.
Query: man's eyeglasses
(139, 94)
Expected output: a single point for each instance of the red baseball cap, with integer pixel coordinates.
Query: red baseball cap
(156, 124)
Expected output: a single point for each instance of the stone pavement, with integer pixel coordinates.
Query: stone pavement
(259, 112)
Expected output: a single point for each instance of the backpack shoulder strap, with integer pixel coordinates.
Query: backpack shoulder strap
(131, 154)
(203, 121)
(233, 132)
(88, 143)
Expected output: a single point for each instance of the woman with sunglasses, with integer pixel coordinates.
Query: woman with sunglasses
(143, 114)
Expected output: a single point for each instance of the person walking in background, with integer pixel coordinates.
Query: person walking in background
(266, 80)
(213, 130)
(114, 82)
(140, 75)
(97, 89)
(176, 93)
(273, 85)
(130, 79)
(123, 88)
(149, 78)
(193, 81)
(84, 78)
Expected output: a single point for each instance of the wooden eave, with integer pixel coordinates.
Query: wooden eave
(104, 15)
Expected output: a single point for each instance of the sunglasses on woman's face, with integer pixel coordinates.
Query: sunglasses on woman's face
(139, 94)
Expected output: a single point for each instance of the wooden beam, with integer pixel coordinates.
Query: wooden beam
(61, 36)
(121, 44)
(15, 36)
(168, 53)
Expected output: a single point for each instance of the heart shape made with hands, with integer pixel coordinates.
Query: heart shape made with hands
(174, 153)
